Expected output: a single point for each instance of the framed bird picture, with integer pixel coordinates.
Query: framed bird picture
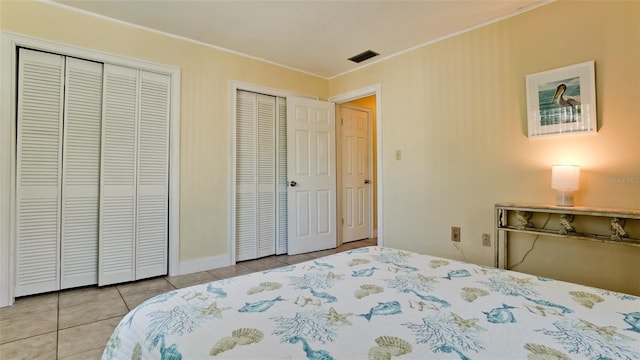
(562, 101)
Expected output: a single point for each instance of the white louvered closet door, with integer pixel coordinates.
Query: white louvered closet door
(92, 173)
(266, 186)
(153, 181)
(81, 173)
(134, 180)
(259, 178)
(38, 171)
(246, 177)
(117, 227)
(281, 167)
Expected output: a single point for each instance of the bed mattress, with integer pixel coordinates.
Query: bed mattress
(382, 303)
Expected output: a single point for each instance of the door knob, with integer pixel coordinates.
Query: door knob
(293, 183)
(367, 181)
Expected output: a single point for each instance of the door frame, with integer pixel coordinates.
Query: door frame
(355, 95)
(340, 158)
(9, 42)
(234, 86)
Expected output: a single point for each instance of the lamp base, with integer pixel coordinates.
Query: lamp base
(564, 198)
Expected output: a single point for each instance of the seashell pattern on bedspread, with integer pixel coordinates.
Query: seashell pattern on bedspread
(382, 303)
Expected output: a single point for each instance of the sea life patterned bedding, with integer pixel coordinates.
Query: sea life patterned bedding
(382, 303)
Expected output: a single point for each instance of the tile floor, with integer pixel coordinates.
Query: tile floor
(76, 323)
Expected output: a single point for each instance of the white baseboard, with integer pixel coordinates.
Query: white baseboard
(204, 264)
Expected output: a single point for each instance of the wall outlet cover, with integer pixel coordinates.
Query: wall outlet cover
(455, 233)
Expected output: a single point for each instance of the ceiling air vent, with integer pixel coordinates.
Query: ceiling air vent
(363, 56)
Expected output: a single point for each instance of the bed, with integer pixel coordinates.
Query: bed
(382, 303)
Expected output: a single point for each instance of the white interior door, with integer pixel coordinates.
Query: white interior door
(355, 174)
(311, 171)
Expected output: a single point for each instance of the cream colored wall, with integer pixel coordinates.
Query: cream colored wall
(457, 110)
(206, 73)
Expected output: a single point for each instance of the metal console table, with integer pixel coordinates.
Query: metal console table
(520, 215)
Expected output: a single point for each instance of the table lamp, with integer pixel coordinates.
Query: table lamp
(565, 180)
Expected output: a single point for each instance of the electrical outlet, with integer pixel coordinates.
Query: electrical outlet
(486, 240)
(455, 233)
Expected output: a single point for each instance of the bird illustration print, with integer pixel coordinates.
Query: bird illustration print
(572, 103)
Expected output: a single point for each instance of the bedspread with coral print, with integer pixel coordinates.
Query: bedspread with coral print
(382, 303)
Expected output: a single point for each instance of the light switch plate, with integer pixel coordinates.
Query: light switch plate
(486, 240)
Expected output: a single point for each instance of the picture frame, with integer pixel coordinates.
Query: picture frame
(562, 101)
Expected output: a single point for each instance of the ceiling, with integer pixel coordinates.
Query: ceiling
(313, 36)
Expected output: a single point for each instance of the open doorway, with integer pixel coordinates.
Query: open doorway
(357, 169)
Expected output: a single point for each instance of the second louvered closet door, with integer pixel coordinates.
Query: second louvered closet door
(261, 212)
(134, 176)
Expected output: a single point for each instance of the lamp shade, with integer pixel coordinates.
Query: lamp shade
(565, 177)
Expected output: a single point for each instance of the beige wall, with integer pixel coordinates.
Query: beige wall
(206, 72)
(457, 110)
